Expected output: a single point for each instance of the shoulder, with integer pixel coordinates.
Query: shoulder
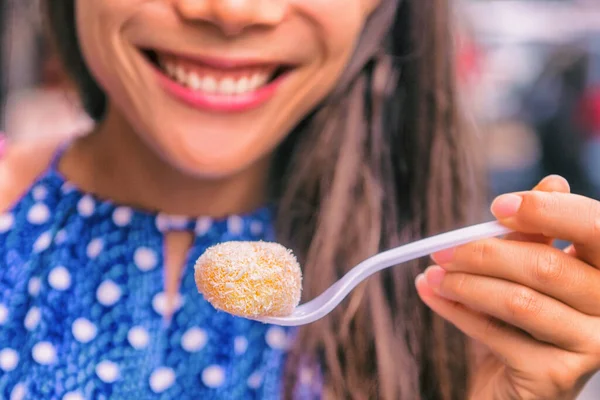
(21, 162)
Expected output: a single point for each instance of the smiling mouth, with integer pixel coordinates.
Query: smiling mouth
(216, 78)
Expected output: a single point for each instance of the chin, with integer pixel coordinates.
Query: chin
(215, 152)
(213, 165)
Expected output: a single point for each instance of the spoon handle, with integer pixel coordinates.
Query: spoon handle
(425, 247)
(411, 251)
(328, 300)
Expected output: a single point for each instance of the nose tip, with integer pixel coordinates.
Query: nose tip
(234, 16)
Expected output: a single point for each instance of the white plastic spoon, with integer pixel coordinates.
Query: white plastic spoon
(332, 297)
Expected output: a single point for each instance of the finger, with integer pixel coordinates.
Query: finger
(551, 183)
(507, 343)
(570, 250)
(542, 317)
(2, 145)
(545, 269)
(570, 217)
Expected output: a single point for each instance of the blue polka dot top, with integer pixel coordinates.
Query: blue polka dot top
(82, 307)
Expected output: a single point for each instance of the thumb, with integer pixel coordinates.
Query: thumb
(551, 183)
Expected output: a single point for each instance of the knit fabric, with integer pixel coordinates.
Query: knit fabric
(82, 307)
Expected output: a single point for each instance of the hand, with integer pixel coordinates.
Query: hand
(533, 310)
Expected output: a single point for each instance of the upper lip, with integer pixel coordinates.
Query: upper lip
(224, 62)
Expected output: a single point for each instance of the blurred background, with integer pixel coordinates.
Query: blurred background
(529, 73)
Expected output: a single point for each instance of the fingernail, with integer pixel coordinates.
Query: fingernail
(443, 257)
(2, 145)
(506, 206)
(423, 286)
(435, 275)
(419, 278)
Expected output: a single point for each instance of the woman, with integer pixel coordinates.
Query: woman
(339, 117)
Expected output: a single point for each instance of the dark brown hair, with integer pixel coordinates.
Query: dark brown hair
(384, 160)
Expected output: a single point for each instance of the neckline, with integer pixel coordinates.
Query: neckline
(164, 222)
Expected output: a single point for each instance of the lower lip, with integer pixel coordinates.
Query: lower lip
(218, 102)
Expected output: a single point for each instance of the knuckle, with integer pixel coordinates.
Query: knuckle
(481, 250)
(548, 267)
(593, 348)
(567, 372)
(589, 342)
(542, 203)
(458, 283)
(523, 303)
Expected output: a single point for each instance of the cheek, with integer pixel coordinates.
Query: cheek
(97, 24)
(99, 30)
(339, 34)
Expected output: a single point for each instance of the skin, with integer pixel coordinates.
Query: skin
(512, 296)
(157, 153)
(531, 309)
(153, 152)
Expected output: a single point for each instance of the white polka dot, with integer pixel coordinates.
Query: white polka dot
(34, 286)
(67, 187)
(235, 225)
(240, 344)
(107, 371)
(39, 193)
(38, 214)
(162, 379)
(162, 223)
(108, 293)
(159, 303)
(44, 353)
(60, 278)
(94, 248)
(83, 330)
(61, 237)
(306, 376)
(86, 206)
(203, 225)
(256, 228)
(32, 319)
(177, 222)
(255, 380)
(19, 392)
(3, 314)
(166, 222)
(138, 337)
(145, 259)
(6, 222)
(213, 376)
(8, 359)
(42, 242)
(122, 216)
(194, 340)
(276, 338)
(73, 396)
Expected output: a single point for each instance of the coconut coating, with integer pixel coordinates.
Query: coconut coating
(250, 279)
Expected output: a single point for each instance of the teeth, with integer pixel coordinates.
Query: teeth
(194, 81)
(211, 84)
(227, 86)
(259, 80)
(243, 85)
(170, 68)
(180, 74)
